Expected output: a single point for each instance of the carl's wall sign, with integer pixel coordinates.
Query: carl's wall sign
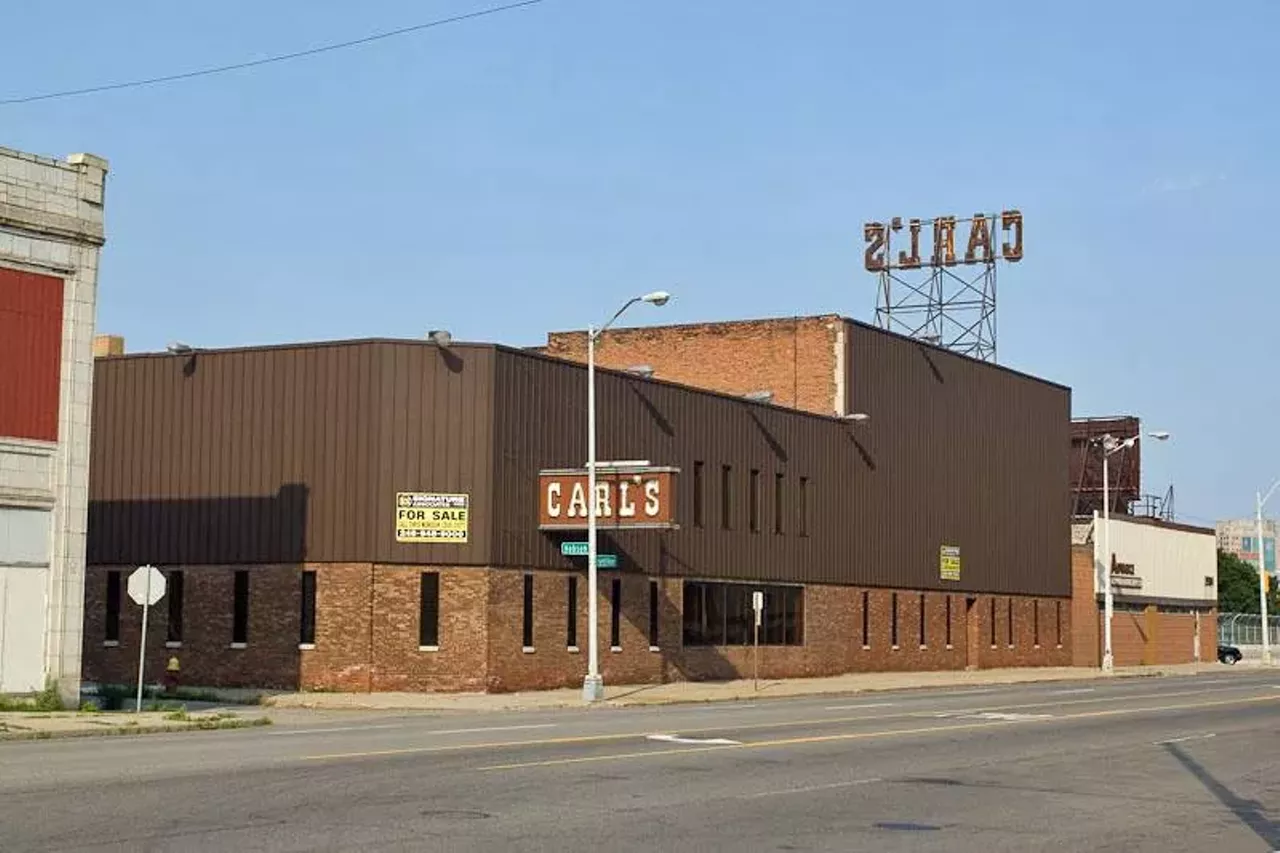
(636, 498)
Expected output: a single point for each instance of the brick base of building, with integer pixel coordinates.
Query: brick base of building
(367, 638)
(1142, 634)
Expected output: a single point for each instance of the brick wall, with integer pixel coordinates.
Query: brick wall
(797, 359)
(833, 642)
(1087, 640)
(367, 633)
(270, 658)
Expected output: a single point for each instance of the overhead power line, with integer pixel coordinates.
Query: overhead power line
(283, 57)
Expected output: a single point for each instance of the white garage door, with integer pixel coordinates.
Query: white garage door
(22, 609)
(24, 579)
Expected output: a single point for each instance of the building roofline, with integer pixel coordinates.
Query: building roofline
(828, 317)
(1150, 522)
(749, 321)
(833, 417)
(293, 345)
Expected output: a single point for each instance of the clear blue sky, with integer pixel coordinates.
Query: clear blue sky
(527, 171)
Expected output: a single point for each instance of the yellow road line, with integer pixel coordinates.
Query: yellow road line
(850, 736)
(780, 724)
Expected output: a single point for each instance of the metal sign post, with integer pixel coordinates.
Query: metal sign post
(146, 587)
(757, 605)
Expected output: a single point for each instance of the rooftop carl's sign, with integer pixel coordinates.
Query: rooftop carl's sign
(626, 498)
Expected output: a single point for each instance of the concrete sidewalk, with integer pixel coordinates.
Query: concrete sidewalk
(718, 691)
(31, 725)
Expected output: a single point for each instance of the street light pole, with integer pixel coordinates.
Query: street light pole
(1108, 661)
(1262, 578)
(593, 684)
(1111, 445)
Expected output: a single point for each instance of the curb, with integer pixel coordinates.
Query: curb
(121, 731)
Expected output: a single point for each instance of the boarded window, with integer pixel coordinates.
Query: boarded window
(112, 632)
(240, 608)
(526, 633)
(429, 610)
(307, 610)
(173, 591)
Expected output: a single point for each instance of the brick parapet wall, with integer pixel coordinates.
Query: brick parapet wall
(800, 360)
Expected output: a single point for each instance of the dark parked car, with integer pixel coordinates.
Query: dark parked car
(1229, 654)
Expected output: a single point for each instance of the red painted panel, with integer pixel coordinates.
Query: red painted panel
(30, 354)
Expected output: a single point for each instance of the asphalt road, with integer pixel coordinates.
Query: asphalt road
(1127, 765)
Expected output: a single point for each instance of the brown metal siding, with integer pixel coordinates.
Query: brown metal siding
(972, 455)
(975, 458)
(285, 453)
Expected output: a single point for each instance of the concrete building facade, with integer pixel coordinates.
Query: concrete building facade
(271, 483)
(1239, 536)
(51, 233)
(1164, 580)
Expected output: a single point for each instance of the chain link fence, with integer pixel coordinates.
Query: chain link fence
(1245, 629)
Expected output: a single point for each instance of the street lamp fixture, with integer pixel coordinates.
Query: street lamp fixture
(856, 417)
(758, 396)
(179, 348)
(644, 371)
(1262, 576)
(1111, 444)
(593, 684)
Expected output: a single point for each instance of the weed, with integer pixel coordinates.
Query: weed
(49, 699)
(88, 706)
(45, 701)
(179, 715)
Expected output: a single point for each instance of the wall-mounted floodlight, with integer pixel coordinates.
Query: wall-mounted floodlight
(758, 396)
(642, 370)
(440, 337)
(179, 348)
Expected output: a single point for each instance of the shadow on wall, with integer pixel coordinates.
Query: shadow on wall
(235, 622)
(200, 531)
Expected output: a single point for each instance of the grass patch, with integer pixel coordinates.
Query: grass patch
(46, 701)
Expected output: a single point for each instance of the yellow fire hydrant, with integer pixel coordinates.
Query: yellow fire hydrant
(171, 674)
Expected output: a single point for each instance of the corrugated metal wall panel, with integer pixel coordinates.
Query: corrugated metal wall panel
(955, 453)
(284, 454)
(435, 436)
(30, 354)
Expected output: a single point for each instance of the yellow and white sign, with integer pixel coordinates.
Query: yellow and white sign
(949, 563)
(424, 517)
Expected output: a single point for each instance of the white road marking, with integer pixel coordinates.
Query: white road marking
(325, 731)
(859, 707)
(809, 788)
(1071, 692)
(491, 729)
(1183, 739)
(334, 729)
(713, 741)
(726, 706)
(988, 715)
(949, 694)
